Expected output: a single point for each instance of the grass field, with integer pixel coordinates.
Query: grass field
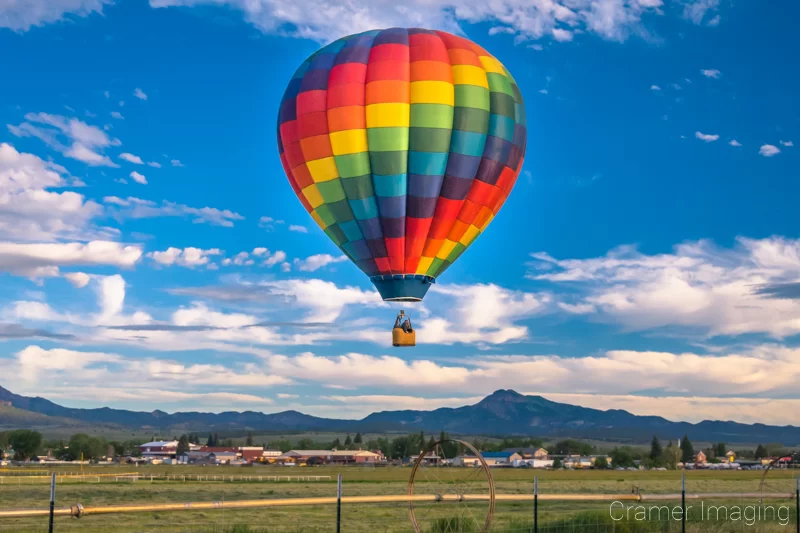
(554, 517)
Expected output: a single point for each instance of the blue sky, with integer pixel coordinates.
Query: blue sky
(153, 255)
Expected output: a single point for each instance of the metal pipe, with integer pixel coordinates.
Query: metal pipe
(339, 504)
(52, 501)
(535, 504)
(683, 502)
(79, 510)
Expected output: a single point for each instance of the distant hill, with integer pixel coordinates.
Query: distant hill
(12, 418)
(503, 413)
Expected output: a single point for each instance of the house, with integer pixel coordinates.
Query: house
(465, 460)
(529, 453)
(203, 454)
(340, 457)
(160, 449)
(700, 458)
(222, 457)
(4, 403)
(250, 454)
(500, 458)
(271, 454)
(730, 457)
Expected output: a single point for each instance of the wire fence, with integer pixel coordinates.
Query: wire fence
(134, 477)
(518, 510)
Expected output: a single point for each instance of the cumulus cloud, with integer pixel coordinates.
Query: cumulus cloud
(734, 142)
(31, 211)
(787, 143)
(44, 260)
(240, 259)
(769, 150)
(83, 142)
(154, 164)
(138, 178)
(87, 375)
(187, 257)
(317, 261)
(711, 73)
(701, 11)
(176, 163)
(131, 158)
(21, 16)
(698, 287)
(137, 208)
(117, 115)
(560, 19)
(269, 223)
(140, 94)
(78, 279)
(298, 229)
(706, 137)
(655, 88)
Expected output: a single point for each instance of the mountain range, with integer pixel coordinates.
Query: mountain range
(503, 413)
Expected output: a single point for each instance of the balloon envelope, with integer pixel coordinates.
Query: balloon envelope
(402, 144)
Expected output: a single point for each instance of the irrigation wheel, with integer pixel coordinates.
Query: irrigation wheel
(464, 495)
(773, 484)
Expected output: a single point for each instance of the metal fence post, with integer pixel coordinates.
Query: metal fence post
(683, 502)
(797, 501)
(536, 504)
(52, 499)
(339, 505)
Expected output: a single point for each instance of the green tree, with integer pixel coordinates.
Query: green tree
(384, 446)
(622, 456)
(672, 455)
(720, 450)
(656, 452)
(25, 443)
(687, 451)
(337, 444)
(210, 440)
(90, 447)
(761, 452)
(601, 463)
(305, 444)
(400, 448)
(358, 439)
(249, 440)
(348, 442)
(573, 447)
(557, 463)
(183, 445)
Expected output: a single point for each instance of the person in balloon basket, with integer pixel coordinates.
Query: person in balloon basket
(403, 322)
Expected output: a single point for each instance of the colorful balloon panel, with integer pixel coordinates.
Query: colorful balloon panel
(403, 145)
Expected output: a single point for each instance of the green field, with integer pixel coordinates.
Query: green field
(516, 517)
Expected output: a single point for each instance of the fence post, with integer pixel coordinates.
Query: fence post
(536, 504)
(339, 505)
(797, 501)
(683, 502)
(52, 499)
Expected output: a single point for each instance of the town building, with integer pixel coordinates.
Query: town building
(500, 458)
(160, 449)
(700, 458)
(341, 457)
(529, 453)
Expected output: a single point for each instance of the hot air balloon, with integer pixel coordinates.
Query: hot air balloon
(403, 145)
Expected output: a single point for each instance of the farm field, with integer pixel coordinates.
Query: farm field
(517, 517)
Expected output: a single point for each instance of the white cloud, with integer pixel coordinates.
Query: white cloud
(697, 288)
(240, 259)
(543, 91)
(107, 94)
(154, 164)
(323, 21)
(138, 178)
(270, 259)
(78, 279)
(30, 211)
(298, 229)
(711, 73)
(655, 88)
(176, 163)
(122, 103)
(769, 150)
(75, 375)
(131, 158)
(787, 143)
(187, 257)
(268, 223)
(140, 94)
(317, 261)
(44, 260)
(137, 208)
(706, 137)
(696, 11)
(117, 115)
(21, 16)
(734, 142)
(85, 142)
